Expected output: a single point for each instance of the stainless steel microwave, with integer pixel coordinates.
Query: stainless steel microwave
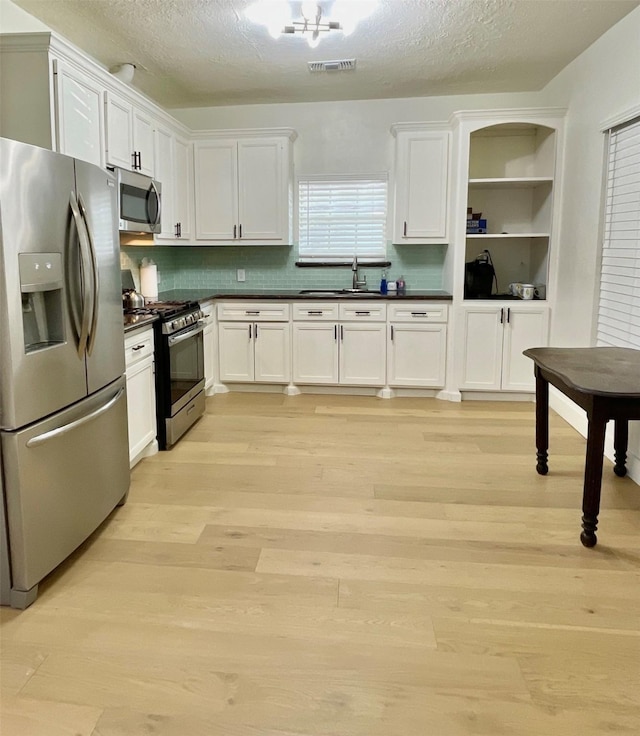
(139, 202)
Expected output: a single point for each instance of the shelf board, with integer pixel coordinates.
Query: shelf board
(505, 236)
(518, 182)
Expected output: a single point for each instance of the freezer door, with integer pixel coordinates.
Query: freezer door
(41, 368)
(96, 196)
(62, 478)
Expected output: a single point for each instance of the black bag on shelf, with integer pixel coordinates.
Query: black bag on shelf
(479, 276)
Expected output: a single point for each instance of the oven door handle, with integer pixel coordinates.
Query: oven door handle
(180, 337)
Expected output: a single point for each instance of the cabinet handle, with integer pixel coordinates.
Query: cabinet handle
(508, 315)
(391, 333)
(404, 229)
(250, 332)
(134, 162)
(363, 314)
(312, 312)
(418, 314)
(255, 332)
(235, 230)
(341, 333)
(179, 229)
(139, 160)
(335, 333)
(254, 312)
(240, 231)
(137, 347)
(501, 315)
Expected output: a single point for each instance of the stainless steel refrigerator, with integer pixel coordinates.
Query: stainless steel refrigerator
(63, 422)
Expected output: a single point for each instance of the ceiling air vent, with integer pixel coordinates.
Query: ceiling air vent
(340, 65)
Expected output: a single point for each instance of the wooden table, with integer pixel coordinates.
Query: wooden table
(605, 382)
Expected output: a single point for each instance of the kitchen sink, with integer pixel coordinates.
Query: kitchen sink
(339, 292)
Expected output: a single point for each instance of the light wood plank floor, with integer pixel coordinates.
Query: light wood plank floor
(341, 566)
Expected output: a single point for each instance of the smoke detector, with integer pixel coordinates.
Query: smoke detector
(339, 65)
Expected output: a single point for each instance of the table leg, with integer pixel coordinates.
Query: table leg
(542, 422)
(620, 442)
(592, 479)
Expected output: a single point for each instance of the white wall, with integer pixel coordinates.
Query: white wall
(15, 20)
(602, 82)
(345, 137)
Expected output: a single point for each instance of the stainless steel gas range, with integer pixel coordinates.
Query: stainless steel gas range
(179, 366)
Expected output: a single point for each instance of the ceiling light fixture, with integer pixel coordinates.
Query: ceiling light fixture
(124, 72)
(310, 18)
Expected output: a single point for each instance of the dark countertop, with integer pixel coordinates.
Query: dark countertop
(205, 294)
(137, 321)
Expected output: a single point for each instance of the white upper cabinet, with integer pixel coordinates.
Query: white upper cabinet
(421, 179)
(129, 135)
(173, 168)
(216, 189)
(243, 189)
(79, 104)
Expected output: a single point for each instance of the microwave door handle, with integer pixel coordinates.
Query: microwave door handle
(157, 193)
(95, 280)
(84, 270)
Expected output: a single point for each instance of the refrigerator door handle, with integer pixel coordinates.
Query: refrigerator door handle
(95, 290)
(42, 438)
(84, 270)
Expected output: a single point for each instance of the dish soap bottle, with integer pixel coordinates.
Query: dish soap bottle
(402, 287)
(383, 282)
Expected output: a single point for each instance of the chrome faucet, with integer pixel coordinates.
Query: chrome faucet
(357, 282)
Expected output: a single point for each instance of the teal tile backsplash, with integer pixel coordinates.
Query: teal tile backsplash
(273, 267)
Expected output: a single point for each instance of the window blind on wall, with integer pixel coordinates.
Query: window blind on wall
(342, 217)
(619, 307)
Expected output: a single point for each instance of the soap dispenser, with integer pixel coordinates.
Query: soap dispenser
(383, 282)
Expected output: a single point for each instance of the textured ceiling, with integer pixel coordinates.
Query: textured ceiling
(194, 53)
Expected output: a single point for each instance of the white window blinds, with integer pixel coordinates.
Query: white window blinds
(619, 309)
(339, 217)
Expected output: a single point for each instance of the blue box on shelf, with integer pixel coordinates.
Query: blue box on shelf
(476, 227)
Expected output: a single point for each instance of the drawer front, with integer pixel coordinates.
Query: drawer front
(253, 312)
(363, 311)
(315, 311)
(418, 312)
(137, 346)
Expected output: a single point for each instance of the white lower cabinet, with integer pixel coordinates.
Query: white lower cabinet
(494, 338)
(339, 343)
(417, 348)
(141, 392)
(251, 347)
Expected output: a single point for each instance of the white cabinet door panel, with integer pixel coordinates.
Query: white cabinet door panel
(80, 110)
(482, 355)
(272, 352)
(260, 189)
(183, 187)
(235, 352)
(141, 406)
(165, 174)
(417, 355)
(143, 127)
(524, 329)
(119, 129)
(216, 187)
(422, 168)
(315, 352)
(363, 354)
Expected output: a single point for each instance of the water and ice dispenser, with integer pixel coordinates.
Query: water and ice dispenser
(41, 288)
